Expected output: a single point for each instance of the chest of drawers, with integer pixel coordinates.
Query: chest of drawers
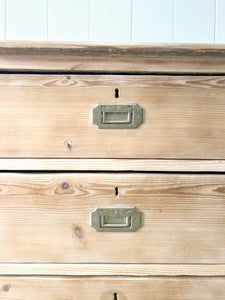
(112, 162)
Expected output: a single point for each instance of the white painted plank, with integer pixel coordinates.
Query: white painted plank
(26, 19)
(194, 21)
(220, 21)
(152, 21)
(68, 20)
(111, 20)
(2, 19)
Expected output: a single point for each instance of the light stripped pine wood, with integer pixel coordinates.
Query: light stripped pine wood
(45, 218)
(183, 117)
(51, 164)
(89, 57)
(113, 269)
(32, 288)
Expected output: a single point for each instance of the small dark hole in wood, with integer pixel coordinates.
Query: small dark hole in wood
(65, 185)
(116, 191)
(115, 296)
(69, 145)
(117, 93)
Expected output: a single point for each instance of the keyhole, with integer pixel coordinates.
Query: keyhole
(115, 296)
(117, 93)
(116, 191)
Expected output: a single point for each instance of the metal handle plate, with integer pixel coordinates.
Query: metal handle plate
(117, 116)
(116, 219)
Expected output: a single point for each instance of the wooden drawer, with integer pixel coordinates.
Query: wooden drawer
(34, 288)
(46, 218)
(50, 116)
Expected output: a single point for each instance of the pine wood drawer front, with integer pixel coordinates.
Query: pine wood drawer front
(46, 218)
(50, 116)
(193, 288)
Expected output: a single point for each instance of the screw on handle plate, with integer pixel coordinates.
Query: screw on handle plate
(117, 116)
(116, 219)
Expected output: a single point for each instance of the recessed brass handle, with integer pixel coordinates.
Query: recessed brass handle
(117, 116)
(116, 219)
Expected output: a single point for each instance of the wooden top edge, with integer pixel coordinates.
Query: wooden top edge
(114, 48)
(108, 57)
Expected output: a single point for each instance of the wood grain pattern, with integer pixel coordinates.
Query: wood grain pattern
(25, 288)
(183, 117)
(113, 269)
(88, 57)
(45, 218)
(57, 164)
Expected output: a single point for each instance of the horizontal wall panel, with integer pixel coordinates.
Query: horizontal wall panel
(149, 21)
(194, 21)
(2, 19)
(68, 20)
(26, 20)
(111, 20)
(220, 21)
(152, 21)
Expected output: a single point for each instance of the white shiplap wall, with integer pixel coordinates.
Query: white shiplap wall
(164, 21)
